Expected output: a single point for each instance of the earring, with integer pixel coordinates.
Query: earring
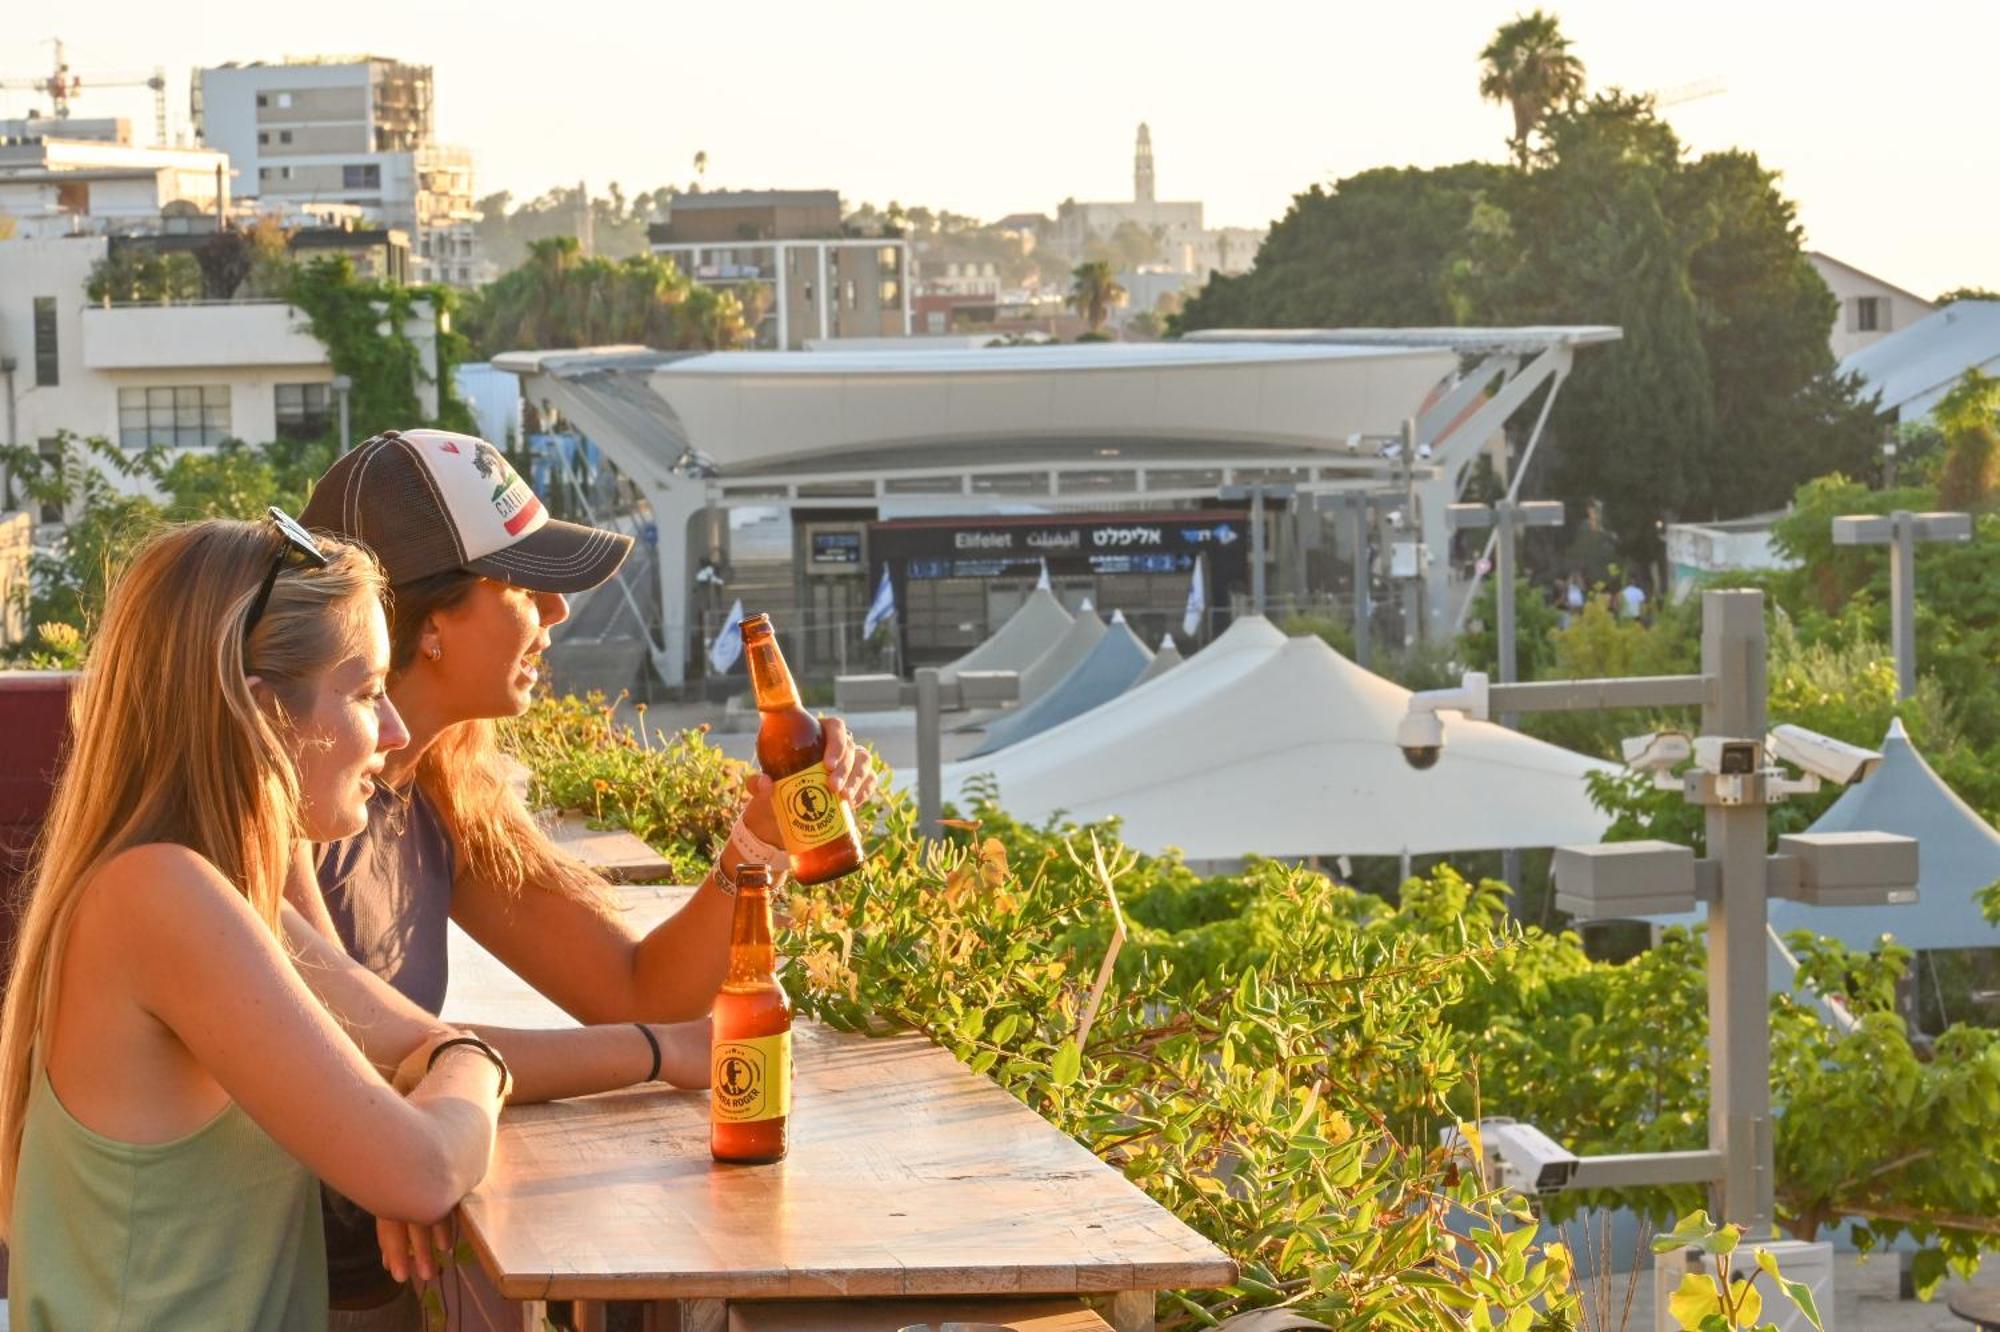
(434, 652)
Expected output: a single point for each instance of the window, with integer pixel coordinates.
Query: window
(262, 100)
(284, 99)
(263, 136)
(892, 291)
(48, 365)
(181, 418)
(284, 136)
(364, 176)
(1870, 315)
(847, 292)
(284, 173)
(888, 256)
(304, 411)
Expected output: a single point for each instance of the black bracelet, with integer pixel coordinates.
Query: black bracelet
(653, 1073)
(475, 1043)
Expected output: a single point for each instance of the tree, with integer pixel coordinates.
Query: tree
(1528, 65)
(559, 298)
(1957, 294)
(1093, 291)
(128, 275)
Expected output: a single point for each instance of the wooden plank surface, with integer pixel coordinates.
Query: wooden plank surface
(616, 854)
(909, 1175)
(1060, 1314)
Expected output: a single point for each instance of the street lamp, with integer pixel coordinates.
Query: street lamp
(1900, 532)
(1735, 780)
(931, 694)
(341, 385)
(1506, 517)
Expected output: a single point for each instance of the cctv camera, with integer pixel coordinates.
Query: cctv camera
(1662, 751)
(1725, 757)
(1822, 755)
(1420, 735)
(1518, 1156)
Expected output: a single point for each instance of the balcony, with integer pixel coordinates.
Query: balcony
(198, 335)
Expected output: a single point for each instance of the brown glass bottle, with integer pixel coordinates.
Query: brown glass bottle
(817, 827)
(750, 1051)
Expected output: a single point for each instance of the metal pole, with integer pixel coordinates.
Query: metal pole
(1256, 550)
(346, 434)
(1903, 599)
(1363, 610)
(1739, 1118)
(930, 753)
(1413, 595)
(1503, 526)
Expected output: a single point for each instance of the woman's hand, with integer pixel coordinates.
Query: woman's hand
(418, 1061)
(848, 772)
(412, 1248)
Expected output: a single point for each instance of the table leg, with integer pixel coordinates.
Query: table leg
(1132, 1310)
(704, 1315)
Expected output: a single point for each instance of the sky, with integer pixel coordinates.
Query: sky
(1879, 117)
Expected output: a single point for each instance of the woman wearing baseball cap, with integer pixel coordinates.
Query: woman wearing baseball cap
(478, 574)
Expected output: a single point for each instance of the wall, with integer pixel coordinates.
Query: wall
(1899, 308)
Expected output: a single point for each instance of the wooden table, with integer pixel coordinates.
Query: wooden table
(908, 1175)
(1977, 1305)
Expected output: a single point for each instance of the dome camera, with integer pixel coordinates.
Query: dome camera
(1420, 735)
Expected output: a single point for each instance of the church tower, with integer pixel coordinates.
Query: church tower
(1142, 167)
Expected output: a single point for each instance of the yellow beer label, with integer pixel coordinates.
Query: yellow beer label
(808, 813)
(751, 1079)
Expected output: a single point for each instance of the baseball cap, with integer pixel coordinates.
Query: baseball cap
(427, 501)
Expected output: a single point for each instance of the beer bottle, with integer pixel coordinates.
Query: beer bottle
(816, 826)
(750, 1051)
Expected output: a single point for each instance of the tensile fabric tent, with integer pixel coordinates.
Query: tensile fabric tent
(1115, 661)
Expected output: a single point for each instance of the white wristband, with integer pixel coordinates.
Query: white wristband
(747, 848)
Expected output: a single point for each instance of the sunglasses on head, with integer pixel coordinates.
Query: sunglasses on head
(294, 543)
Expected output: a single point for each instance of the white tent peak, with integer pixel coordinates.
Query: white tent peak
(1086, 606)
(1167, 643)
(1030, 632)
(1896, 731)
(1118, 617)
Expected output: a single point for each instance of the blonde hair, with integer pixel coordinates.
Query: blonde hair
(169, 744)
(467, 777)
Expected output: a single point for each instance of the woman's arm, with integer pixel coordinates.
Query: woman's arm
(202, 964)
(547, 1065)
(596, 967)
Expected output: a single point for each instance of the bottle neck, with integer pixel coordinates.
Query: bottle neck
(752, 958)
(770, 678)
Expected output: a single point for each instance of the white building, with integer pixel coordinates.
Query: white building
(357, 130)
(1737, 545)
(76, 177)
(1184, 243)
(183, 376)
(1915, 366)
(1870, 309)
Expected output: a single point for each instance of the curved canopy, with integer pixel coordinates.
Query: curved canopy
(1047, 670)
(1287, 749)
(1168, 657)
(1115, 661)
(1016, 645)
(1957, 855)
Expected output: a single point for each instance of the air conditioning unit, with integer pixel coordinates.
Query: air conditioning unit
(1811, 1263)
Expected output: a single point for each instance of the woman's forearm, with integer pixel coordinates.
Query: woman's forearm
(580, 1061)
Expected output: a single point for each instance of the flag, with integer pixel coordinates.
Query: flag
(884, 606)
(1197, 604)
(1042, 583)
(728, 644)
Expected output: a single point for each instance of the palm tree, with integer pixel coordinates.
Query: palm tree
(1093, 291)
(1528, 65)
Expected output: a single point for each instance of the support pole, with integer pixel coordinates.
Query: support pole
(1903, 600)
(1503, 531)
(930, 753)
(1256, 550)
(1364, 610)
(1739, 1042)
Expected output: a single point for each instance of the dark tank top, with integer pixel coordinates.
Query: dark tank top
(388, 889)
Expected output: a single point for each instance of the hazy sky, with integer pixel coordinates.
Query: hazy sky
(1879, 115)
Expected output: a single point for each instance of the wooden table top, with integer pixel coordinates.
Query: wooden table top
(1978, 1305)
(908, 1175)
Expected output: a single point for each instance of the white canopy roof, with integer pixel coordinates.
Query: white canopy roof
(1281, 747)
(1114, 662)
(1047, 670)
(1016, 645)
(1168, 657)
(1913, 367)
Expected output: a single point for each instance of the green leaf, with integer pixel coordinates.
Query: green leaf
(1068, 1063)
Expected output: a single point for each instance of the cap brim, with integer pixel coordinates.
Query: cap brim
(557, 557)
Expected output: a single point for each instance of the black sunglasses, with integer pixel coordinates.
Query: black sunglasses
(295, 541)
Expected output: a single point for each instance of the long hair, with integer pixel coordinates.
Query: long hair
(168, 744)
(468, 778)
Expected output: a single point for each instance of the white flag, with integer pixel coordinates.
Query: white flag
(1197, 604)
(728, 644)
(1042, 583)
(884, 606)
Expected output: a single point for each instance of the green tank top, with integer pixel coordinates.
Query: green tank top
(219, 1229)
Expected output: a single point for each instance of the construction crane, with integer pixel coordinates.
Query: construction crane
(63, 86)
(1689, 92)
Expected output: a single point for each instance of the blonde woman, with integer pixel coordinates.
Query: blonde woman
(479, 574)
(170, 1084)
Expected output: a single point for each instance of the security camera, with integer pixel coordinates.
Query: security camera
(1420, 734)
(1517, 1156)
(1822, 755)
(1659, 753)
(1725, 757)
